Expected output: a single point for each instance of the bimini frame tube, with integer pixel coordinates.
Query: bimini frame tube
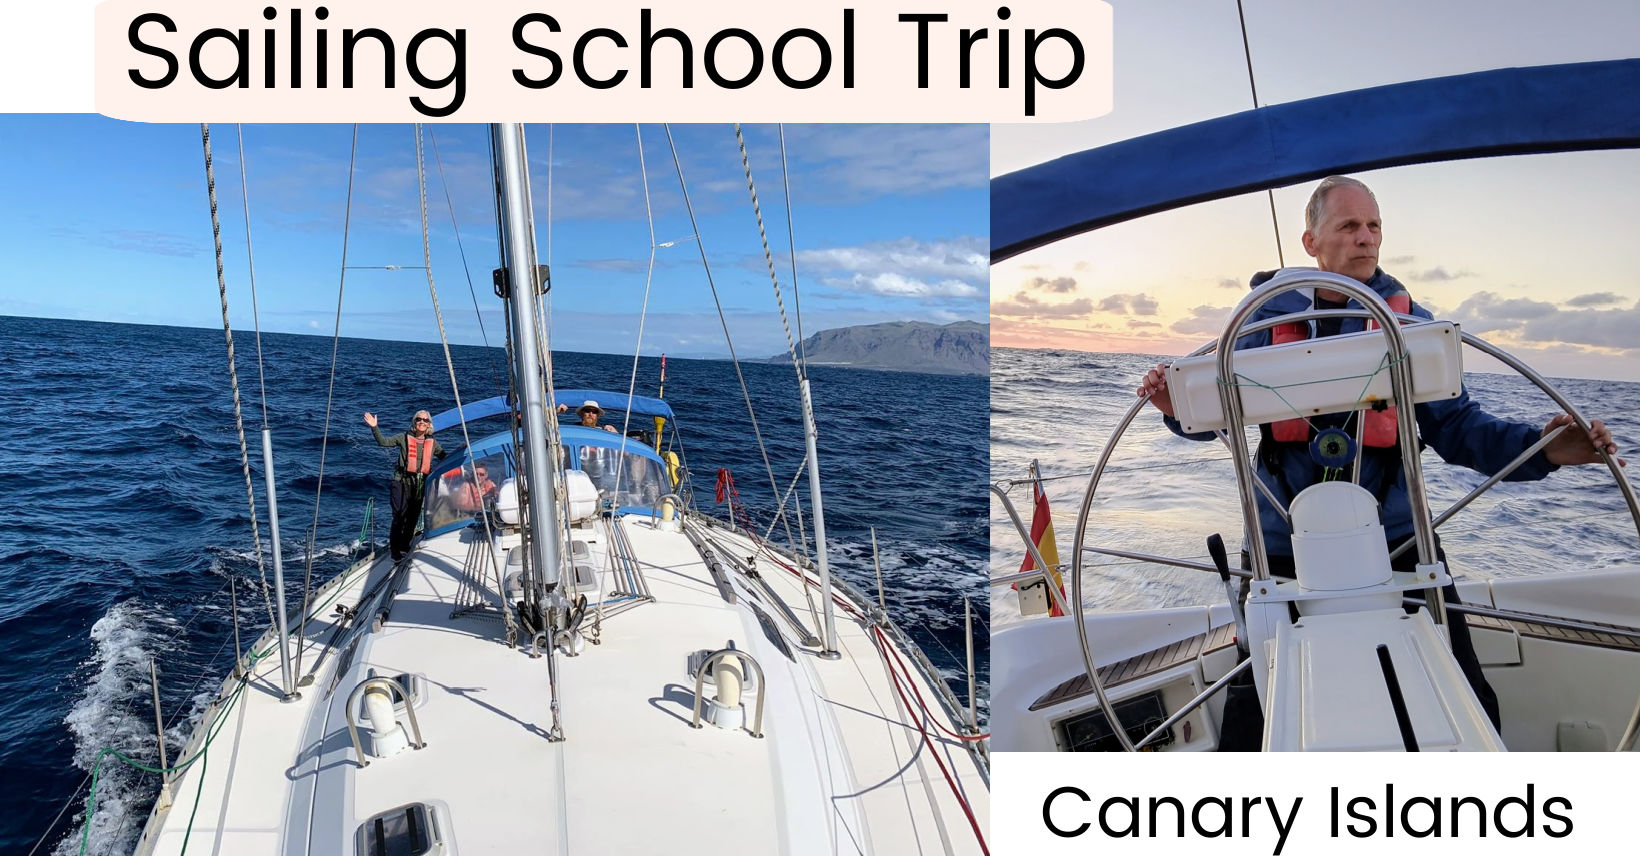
(517, 228)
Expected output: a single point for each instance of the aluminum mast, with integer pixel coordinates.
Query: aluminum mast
(516, 228)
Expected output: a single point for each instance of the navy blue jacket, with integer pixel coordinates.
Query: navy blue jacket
(1457, 429)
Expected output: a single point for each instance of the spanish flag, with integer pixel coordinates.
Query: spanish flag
(1042, 535)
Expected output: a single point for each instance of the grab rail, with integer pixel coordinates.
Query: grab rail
(700, 684)
(353, 726)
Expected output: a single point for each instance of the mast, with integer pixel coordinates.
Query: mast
(516, 229)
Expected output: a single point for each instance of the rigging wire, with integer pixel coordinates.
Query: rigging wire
(233, 372)
(797, 304)
(330, 398)
(1247, 51)
(643, 309)
(711, 283)
(250, 267)
(461, 248)
(470, 469)
(791, 245)
(768, 258)
(59, 818)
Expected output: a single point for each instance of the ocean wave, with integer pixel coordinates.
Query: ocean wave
(109, 714)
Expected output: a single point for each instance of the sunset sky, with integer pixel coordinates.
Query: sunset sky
(1532, 253)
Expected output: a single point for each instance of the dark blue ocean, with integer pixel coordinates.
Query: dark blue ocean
(124, 515)
(1164, 495)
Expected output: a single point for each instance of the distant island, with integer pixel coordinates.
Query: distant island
(963, 347)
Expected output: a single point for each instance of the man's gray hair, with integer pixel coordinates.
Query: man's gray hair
(1318, 199)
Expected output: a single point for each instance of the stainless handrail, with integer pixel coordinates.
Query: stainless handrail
(1040, 571)
(1400, 384)
(353, 726)
(700, 684)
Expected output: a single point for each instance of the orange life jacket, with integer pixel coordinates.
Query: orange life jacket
(1378, 426)
(418, 454)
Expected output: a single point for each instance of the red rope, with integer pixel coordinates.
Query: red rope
(921, 702)
(725, 491)
(968, 810)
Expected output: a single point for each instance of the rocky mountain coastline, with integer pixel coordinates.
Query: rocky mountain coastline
(963, 347)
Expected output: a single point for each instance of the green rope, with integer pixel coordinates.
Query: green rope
(96, 769)
(210, 737)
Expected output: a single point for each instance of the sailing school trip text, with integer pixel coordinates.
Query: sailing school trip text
(600, 58)
(1070, 812)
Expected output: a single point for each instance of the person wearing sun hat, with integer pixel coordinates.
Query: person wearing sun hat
(417, 451)
(589, 411)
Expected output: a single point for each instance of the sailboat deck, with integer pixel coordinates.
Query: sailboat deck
(841, 766)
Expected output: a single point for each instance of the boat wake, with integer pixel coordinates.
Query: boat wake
(189, 643)
(109, 715)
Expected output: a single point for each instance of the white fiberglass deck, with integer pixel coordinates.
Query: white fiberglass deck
(842, 767)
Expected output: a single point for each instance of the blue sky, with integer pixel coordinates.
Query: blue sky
(109, 221)
(1532, 253)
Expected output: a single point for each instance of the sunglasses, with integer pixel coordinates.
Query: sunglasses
(419, 419)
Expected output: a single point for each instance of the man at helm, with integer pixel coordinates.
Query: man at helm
(1343, 232)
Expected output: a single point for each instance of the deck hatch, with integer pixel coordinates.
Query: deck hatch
(409, 830)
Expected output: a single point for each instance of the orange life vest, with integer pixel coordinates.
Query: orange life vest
(1378, 426)
(418, 454)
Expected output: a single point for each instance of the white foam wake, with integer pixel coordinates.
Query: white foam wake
(113, 711)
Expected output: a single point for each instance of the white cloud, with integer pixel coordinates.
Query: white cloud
(1438, 274)
(1589, 301)
(1122, 304)
(1057, 285)
(1023, 305)
(907, 268)
(1486, 311)
(899, 285)
(1203, 320)
(1535, 321)
(1602, 328)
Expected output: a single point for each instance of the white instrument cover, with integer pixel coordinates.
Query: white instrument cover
(1317, 376)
